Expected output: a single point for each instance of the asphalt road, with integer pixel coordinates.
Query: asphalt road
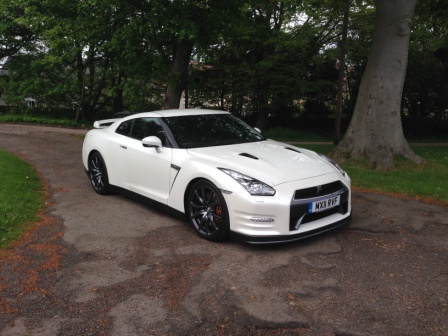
(108, 265)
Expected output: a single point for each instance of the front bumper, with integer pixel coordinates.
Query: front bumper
(289, 238)
(284, 217)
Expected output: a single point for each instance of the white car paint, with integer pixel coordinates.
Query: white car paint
(273, 157)
(163, 174)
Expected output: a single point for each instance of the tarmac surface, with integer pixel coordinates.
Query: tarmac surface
(109, 265)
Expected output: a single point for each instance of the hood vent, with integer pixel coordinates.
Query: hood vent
(250, 156)
(293, 149)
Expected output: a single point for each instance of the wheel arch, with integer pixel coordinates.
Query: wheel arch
(97, 150)
(218, 180)
(188, 188)
(101, 184)
(195, 170)
(93, 150)
(223, 230)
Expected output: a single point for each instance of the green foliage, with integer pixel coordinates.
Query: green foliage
(426, 86)
(20, 197)
(264, 62)
(277, 58)
(287, 134)
(22, 118)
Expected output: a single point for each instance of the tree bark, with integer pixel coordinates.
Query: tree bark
(375, 131)
(341, 75)
(118, 101)
(179, 74)
(81, 86)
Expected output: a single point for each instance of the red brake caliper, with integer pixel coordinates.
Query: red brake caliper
(218, 211)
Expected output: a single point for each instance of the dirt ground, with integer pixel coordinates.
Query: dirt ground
(108, 265)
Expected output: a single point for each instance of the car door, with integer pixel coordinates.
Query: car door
(147, 170)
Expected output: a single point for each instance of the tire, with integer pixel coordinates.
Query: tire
(98, 174)
(207, 211)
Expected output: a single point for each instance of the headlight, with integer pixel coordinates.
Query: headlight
(334, 163)
(253, 186)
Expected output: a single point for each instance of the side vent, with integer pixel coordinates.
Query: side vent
(292, 149)
(250, 156)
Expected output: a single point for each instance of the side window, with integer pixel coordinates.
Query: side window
(124, 128)
(140, 128)
(154, 128)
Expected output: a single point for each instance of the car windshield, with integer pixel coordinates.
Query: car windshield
(192, 131)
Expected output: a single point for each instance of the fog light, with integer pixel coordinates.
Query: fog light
(261, 219)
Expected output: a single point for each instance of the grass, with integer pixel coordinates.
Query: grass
(428, 181)
(286, 134)
(22, 118)
(20, 197)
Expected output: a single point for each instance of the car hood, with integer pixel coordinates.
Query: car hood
(269, 161)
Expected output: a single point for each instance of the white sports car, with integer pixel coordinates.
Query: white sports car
(221, 173)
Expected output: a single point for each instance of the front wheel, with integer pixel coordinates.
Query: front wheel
(207, 211)
(98, 174)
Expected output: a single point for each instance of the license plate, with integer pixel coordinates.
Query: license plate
(324, 204)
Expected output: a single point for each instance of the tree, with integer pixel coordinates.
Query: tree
(375, 131)
(425, 93)
(178, 27)
(264, 65)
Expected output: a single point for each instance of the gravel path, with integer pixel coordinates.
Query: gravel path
(99, 265)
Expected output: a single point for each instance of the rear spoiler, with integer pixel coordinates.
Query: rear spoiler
(104, 123)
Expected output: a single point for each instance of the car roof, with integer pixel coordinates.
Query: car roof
(112, 124)
(176, 113)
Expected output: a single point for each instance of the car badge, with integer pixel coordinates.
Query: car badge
(318, 189)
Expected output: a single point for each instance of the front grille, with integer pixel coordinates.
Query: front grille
(299, 212)
(317, 191)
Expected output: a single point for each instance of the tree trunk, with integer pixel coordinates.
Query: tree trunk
(118, 101)
(341, 76)
(179, 74)
(375, 131)
(81, 86)
(264, 110)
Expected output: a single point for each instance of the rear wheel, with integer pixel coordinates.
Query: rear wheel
(207, 211)
(98, 174)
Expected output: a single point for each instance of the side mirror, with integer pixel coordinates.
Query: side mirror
(257, 129)
(152, 142)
